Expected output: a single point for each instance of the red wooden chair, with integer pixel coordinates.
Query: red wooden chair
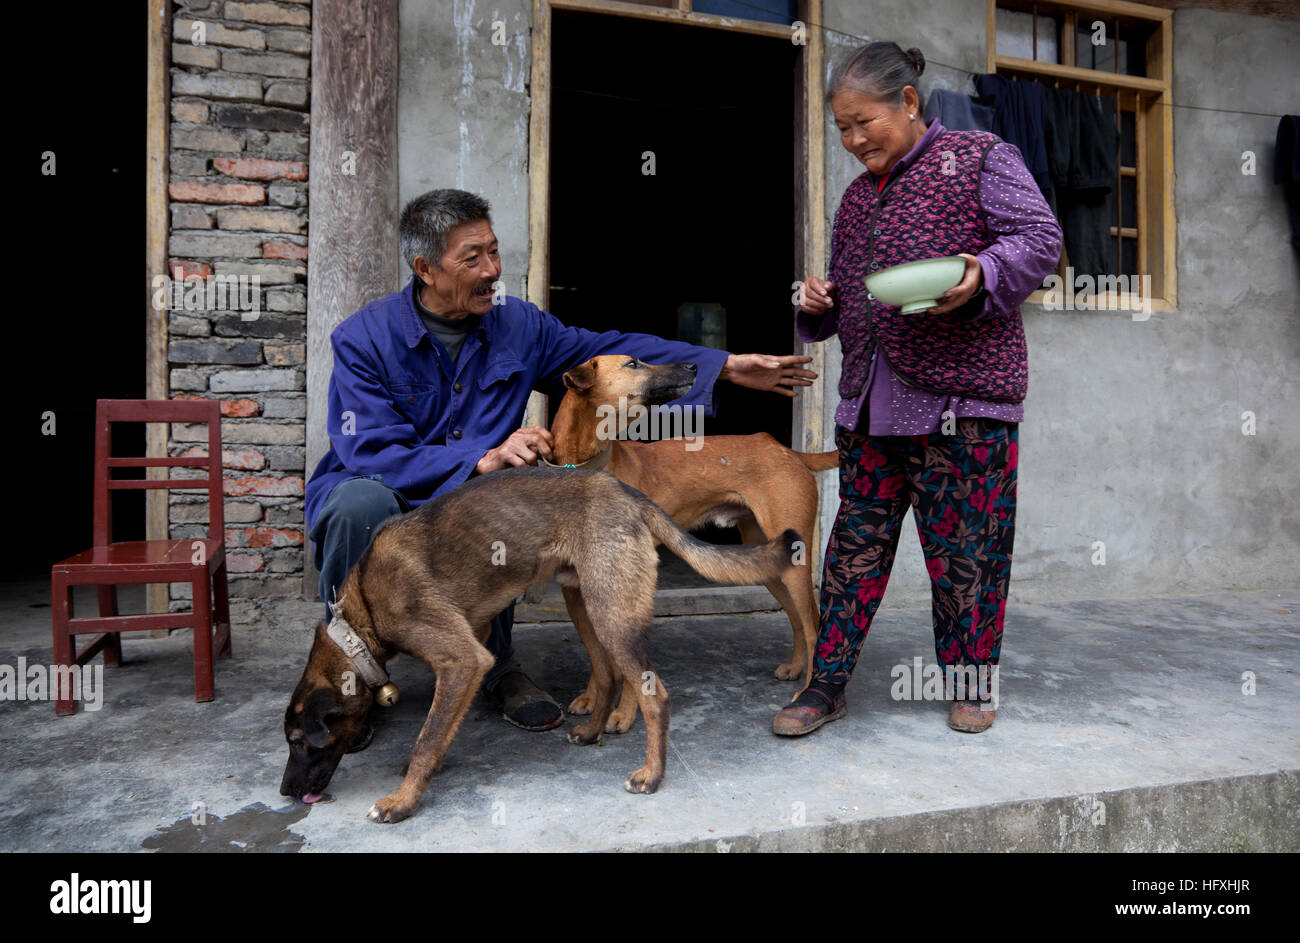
(202, 563)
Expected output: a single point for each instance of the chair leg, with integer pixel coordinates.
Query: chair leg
(221, 610)
(112, 644)
(65, 646)
(202, 592)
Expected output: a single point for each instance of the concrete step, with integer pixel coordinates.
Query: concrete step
(713, 600)
(1135, 725)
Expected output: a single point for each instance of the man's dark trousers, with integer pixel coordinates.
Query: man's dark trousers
(342, 532)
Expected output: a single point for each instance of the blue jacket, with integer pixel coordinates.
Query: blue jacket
(400, 412)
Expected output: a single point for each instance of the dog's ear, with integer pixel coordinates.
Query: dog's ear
(581, 377)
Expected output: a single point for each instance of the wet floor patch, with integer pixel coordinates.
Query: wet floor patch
(253, 828)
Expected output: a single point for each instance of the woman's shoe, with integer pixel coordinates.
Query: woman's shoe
(970, 716)
(808, 711)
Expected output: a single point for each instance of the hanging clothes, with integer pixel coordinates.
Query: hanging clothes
(1061, 129)
(1018, 119)
(958, 112)
(1086, 195)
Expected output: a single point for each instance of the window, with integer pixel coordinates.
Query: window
(1122, 52)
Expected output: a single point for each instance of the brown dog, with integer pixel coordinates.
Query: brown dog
(752, 482)
(432, 579)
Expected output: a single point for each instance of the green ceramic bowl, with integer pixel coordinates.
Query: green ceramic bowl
(916, 286)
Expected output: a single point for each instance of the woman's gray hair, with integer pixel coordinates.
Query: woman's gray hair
(880, 71)
(427, 219)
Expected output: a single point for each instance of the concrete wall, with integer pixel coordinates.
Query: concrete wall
(1132, 432)
(462, 113)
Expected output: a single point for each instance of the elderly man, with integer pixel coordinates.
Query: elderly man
(429, 387)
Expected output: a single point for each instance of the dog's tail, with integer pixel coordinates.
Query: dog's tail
(750, 563)
(820, 461)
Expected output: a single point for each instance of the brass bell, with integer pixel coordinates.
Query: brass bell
(386, 696)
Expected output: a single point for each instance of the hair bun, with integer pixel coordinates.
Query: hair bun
(917, 58)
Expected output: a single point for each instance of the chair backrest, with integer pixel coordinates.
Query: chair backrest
(110, 411)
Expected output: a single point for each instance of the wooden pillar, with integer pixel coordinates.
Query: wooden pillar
(157, 169)
(810, 244)
(539, 178)
(352, 200)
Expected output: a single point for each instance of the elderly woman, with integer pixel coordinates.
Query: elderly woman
(930, 402)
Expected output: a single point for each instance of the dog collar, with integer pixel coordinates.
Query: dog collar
(595, 463)
(346, 638)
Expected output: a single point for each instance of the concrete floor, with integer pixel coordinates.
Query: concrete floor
(1123, 726)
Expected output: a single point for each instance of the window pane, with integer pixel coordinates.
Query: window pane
(1131, 45)
(1016, 36)
(1128, 200)
(1130, 253)
(1128, 138)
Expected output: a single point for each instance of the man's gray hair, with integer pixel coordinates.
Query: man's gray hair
(427, 219)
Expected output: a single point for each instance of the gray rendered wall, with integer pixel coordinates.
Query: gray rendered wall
(1132, 432)
(462, 113)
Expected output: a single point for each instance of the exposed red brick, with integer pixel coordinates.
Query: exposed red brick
(240, 408)
(263, 537)
(239, 459)
(255, 168)
(230, 408)
(245, 562)
(243, 193)
(283, 250)
(188, 270)
(267, 487)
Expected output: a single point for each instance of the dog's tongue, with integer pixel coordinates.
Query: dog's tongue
(311, 797)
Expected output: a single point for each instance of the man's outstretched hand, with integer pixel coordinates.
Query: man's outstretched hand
(522, 448)
(768, 372)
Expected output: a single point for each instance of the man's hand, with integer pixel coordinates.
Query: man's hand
(522, 448)
(818, 296)
(766, 372)
(956, 296)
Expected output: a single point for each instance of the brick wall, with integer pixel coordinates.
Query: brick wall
(238, 201)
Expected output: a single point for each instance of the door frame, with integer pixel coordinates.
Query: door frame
(809, 185)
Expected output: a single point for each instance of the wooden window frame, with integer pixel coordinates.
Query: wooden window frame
(1151, 100)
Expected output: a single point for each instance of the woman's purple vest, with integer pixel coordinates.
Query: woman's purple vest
(930, 210)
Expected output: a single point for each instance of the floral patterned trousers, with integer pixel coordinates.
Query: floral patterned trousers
(962, 491)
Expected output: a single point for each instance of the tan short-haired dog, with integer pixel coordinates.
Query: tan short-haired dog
(432, 579)
(752, 482)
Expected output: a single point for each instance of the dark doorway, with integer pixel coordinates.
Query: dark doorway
(77, 321)
(703, 248)
(713, 228)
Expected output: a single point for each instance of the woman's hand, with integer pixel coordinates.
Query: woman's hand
(956, 296)
(765, 372)
(818, 296)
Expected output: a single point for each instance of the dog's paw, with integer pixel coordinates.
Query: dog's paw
(620, 723)
(582, 704)
(643, 781)
(389, 810)
(584, 736)
(789, 672)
